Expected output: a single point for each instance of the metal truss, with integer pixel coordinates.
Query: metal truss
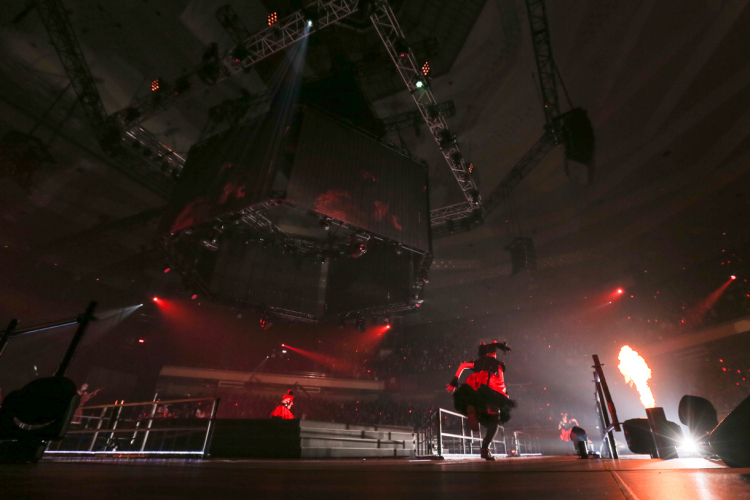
(133, 164)
(540, 39)
(459, 218)
(414, 118)
(56, 22)
(231, 23)
(390, 33)
(169, 159)
(522, 168)
(288, 31)
(452, 212)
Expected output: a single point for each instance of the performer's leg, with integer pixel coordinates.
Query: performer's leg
(491, 433)
(492, 425)
(471, 414)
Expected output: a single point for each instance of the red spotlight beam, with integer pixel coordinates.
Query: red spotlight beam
(698, 312)
(335, 364)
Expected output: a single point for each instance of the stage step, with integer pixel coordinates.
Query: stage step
(249, 438)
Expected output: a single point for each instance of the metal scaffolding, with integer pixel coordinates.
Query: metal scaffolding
(288, 31)
(443, 219)
(414, 118)
(390, 32)
(135, 164)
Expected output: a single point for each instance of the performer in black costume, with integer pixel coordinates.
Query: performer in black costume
(483, 398)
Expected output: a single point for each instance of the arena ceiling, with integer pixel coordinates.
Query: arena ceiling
(667, 88)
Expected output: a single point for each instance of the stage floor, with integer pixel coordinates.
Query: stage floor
(516, 478)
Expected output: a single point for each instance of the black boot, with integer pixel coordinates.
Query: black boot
(485, 454)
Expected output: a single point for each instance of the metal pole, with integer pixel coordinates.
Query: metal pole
(607, 396)
(114, 426)
(96, 434)
(150, 420)
(86, 318)
(463, 437)
(214, 409)
(440, 433)
(607, 429)
(7, 334)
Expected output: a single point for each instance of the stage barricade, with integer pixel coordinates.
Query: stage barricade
(446, 434)
(180, 427)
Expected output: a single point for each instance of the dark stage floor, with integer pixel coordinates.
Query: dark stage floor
(518, 478)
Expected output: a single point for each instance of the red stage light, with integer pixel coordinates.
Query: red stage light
(167, 270)
(141, 341)
(619, 290)
(733, 277)
(387, 327)
(156, 299)
(194, 296)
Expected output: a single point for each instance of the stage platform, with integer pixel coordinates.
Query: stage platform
(508, 478)
(273, 438)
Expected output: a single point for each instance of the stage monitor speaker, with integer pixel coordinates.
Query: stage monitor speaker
(698, 414)
(638, 436)
(731, 438)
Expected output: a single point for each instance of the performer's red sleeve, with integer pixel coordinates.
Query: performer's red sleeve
(463, 366)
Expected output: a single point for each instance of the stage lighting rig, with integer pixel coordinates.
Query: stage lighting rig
(426, 69)
(273, 18)
(157, 84)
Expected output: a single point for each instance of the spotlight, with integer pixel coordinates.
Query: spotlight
(167, 270)
(309, 23)
(141, 341)
(273, 18)
(358, 246)
(265, 321)
(156, 299)
(157, 84)
(195, 296)
(619, 290)
(733, 277)
(419, 84)
(447, 138)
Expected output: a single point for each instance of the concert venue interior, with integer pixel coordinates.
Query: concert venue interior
(207, 204)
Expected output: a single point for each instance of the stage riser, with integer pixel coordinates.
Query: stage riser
(337, 443)
(245, 438)
(353, 453)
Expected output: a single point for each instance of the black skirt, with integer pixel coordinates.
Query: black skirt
(488, 404)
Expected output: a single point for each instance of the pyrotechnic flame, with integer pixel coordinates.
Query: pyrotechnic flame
(636, 372)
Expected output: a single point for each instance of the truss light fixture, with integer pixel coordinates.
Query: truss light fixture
(273, 18)
(239, 53)
(426, 68)
(402, 50)
(157, 84)
(470, 168)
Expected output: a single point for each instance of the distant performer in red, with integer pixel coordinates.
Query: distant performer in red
(282, 411)
(483, 398)
(565, 426)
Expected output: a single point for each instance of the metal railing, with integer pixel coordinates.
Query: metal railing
(524, 445)
(180, 427)
(447, 434)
